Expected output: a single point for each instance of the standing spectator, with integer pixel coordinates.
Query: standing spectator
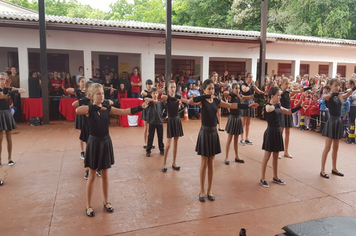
(126, 82)
(345, 111)
(14, 78)
(81, 74)
(193, 109)
(324, 111)
(7, 70)
(55, 82)
(108, 87)
(136, 83)
(352, 103)
(34, 86)
(314, 112)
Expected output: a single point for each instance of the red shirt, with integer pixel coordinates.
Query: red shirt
(184, 95)
(136, 80)
(68, 86)
(314, 108)
(307, 111)
(56, 81)
(121, 96)
(292, 100)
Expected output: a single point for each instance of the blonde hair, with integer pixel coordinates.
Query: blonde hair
(4, 74)
(94, 87)
(285, 80)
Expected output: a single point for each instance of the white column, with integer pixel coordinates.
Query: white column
(332, 69)
(252, 67)
(204, 68)
(87, 64)
(23, 69)
(295, 68)
(147, 67)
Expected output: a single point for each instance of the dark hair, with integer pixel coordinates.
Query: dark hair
(207, 82)
(273, 91)
(327, 87)
(149, 82)
(66, 80)
(154, 89)
(234, 85)
(334, 80)
(88, 83)
(352, 82)
(212, 74)
(80, 67)
(248, 73)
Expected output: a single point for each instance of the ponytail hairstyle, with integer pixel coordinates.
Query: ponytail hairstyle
(206, 83)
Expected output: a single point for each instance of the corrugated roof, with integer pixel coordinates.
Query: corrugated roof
(175, 28)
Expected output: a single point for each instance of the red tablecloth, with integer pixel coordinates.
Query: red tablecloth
(33, 108)
(128, 103)
(66, 108)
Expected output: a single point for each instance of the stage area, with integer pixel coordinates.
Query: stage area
(44, 192)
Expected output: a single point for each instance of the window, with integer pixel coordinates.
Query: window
(341, 70)
(187, 66)
(233, 67)
(304, 69)
(55, 61)
(284, 69)
(324, 69)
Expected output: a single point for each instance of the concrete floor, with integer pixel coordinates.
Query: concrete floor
(44, 192)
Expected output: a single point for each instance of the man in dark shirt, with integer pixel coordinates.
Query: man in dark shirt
(155, 122)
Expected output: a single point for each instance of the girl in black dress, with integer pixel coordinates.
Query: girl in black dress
(272, 138)
(208, 143)
(99, 151)
(217, 86)
(79, 119)
(174, 124)
(333, 128)
(7, 122)
(84, 132)
(146, 93)
(248, 88)
(234, 123)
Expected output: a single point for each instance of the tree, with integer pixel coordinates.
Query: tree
(120, 10)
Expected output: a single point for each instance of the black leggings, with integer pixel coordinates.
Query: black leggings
(313, 121)
(352, 114)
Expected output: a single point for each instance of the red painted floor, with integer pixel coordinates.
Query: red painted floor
(44, 192)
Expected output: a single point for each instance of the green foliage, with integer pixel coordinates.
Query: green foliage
(323, 18)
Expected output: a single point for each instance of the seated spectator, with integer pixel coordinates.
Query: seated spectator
(55, 83)
(67, 83)
(192, 80)
(193, 109)
(121, 93)
(125, 81)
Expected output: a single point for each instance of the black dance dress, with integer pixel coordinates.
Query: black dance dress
(79, 119)
(208, 143)
(272, 138)
(7, 122)
(84, 132)
(250, 112)
(174, 124)
(286, 120)
(234, 122)
(99, 151)
(333, 128)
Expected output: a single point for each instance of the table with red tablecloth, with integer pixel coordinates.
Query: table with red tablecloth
(128, 103)
(33, 108)
(66, 108)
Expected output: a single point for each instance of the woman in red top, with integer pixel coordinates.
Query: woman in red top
(67, 83)
(306, 111)
(136, 83)
(314, 111)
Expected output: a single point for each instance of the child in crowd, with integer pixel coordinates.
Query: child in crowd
(345, 111)
(306, 110)
(324, 111)
(272, 138)
(121, 93)
(314, 112)
(155, 122)
(99, 151)
(208, 143)
(174, 125)
(333, 130)
(293, 98)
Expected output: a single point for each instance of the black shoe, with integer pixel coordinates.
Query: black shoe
(337, 173)
(82, 155)
(148, 154)
(153, 146)
(239, 160)
(222, 130)
(145, 146)
(227, 162)
(176, 167)
(264, 183)
(211, 198)
(161, 153)
(326, 176)
(247, 141)
(164, 169)
(90, 214)
(202, 199)
(11, 163)
(278, 181)
(108, 208)
(1, 182)
(98, 172)
(242, 232)
(86, 175)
